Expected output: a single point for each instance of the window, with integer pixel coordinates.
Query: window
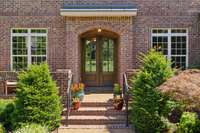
(29, 46)
(173, 44)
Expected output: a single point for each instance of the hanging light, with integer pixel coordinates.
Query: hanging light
(99, 30)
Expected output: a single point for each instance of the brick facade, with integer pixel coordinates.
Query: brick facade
(63, 32)
(122, 26)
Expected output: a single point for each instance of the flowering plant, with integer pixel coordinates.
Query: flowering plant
(75, 100)
(76, 103)
(77, 87)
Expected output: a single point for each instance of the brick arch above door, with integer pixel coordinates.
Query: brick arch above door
(75, 26)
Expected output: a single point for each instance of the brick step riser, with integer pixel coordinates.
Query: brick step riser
(104, 113)
(93, 122)
(92, 105)
(107, 126)
(96, 104)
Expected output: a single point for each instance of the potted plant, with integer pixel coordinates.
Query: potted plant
(76, 103)
(117, 90)
(78, 91)
(118, 101)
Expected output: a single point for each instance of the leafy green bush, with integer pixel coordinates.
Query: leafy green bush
(170, 106)
(2, 129)
(171, 127)
(6, 109)
(117, 89)
(32, 128)
(147, 101)
(173, 111)
(189, 123)
(37, 98)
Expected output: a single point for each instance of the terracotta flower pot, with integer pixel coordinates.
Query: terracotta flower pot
(76, 105)
(118, 104)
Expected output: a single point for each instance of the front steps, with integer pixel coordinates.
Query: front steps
(95, 109)
(95, 120)
(94, 130)
(93, 114)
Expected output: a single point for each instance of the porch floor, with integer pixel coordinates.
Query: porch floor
(98, 97)
(98, 94)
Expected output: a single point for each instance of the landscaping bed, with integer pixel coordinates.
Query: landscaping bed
(164, 102)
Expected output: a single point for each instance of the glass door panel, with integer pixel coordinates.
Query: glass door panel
(108, 55)
(90, 55)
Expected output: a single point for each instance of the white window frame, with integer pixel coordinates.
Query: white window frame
(169, 35)
(28, 35)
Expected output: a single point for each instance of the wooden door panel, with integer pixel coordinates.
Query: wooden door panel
(108, 79)
(99, 61)
(90, 62)
(107, 74)
(91, 80)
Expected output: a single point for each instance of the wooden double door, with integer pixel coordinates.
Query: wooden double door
(99, 61)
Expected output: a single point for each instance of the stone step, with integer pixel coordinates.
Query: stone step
(105, 130)
(97, 104)
(94, 120)
(108, 126)
(95, 111)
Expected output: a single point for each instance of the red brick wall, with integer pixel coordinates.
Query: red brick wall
(122, 26)
(61, 79)
(56, 37)
(63, 43)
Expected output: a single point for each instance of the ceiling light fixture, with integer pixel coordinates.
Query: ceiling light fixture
(99, 30)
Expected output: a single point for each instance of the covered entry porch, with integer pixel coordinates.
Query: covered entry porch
(99, 42)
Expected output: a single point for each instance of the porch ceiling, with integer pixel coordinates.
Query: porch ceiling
(99, 10)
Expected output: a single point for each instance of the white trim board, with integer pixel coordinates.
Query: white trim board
(97, 13)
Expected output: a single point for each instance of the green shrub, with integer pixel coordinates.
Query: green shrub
(117, 89)
(37, 98)
(32, 128)
(173, 111)
(6, 109)
(147, 101)
(189, 123)
(2, 129)
(171, 127)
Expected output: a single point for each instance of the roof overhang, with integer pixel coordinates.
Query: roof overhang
(98, 10)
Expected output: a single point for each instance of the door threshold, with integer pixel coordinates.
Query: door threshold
(98, 90)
